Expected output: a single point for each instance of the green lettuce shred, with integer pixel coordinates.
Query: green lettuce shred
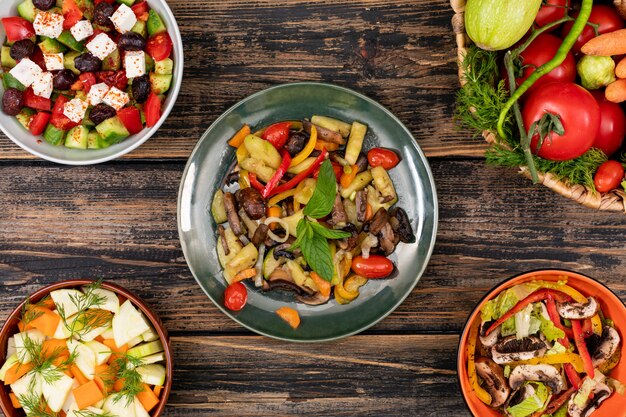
(535, 402)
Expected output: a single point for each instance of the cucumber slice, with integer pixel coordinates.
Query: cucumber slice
(164, 67)
(27, 10)
(146, 349)
(67, 39)
(6, 59)
(93, 142)
(155, 23)
(140, 28)
(25, 116)
(51, 46)
(113, 131)
(12, 360)
(158, 357)
(113, 62)
(68, 61)
(77, 137)
(153, 374)
(9, 81)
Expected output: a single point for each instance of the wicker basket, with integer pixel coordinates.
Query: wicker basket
(612, 201)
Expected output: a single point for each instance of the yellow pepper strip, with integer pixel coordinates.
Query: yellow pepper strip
(242, 153)
(280, 197)
(238, 138)
(308, 148)
(471, 365)
(558, 358)
(354, 282)
(244, 181)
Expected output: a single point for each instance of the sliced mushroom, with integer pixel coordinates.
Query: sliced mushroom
(281, 279)
(492, 338)
(338, 216)
(324, 134)
(403, 228)
(314, 300)
(495, 382)
(351, 242)
(387, 239)
(252, 202)
(222, 233)
(600, 393)
(367, 244)
(578, 311)
(362, 162)
(378, 221)
(512, 349)
(231, 213)
(521, 394)
(260, 234)
(547, 374)
(361, 204)
(609, 343)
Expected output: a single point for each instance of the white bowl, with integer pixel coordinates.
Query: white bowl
(62, 155)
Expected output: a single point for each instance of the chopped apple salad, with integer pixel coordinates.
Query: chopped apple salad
(84, 352)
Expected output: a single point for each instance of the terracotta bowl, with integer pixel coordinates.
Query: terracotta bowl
(10, 328)
(611, 305)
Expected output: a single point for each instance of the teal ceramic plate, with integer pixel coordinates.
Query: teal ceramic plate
(210, 161)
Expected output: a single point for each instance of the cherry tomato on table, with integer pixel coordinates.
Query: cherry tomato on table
(383, 157)
(235, 296)
(575, 109)
(609, 176)
(551, 11)
(17, 28)
(159, 46)
(612, 129)
(277, 134)
(607, 19)
(375, 266)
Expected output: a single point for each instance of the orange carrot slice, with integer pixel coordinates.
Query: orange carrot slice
(87, 394)
(290, 315)
(238, 137)
(322, 284)
(16, 372)
(147, 398)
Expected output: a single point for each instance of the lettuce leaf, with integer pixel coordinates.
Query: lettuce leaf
(531, 404)
(556, 349)
(550, 331)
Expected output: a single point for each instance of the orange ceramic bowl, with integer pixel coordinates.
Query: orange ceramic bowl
(10, 328)
(611, 305)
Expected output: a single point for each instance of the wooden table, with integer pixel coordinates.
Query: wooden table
(118, 220)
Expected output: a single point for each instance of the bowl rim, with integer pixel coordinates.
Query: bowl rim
(502, 285)
(418, 149)
(13, 318)
(172, 95)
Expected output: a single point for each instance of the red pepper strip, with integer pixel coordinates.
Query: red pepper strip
(278, 175)
(254, 182)
(582, 348)
(587, 328)
(556, 403)
(534, 297)
(572, 375)
(301, 176)
(556, 319)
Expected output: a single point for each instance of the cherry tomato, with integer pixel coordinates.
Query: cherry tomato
(17, 28)
(383, 157)
(88, 79)
(159, 46)
(115, 79)
(141, 10)
(551, 11)
(71, 14)
(612, 129)
(38, 123)
(235, 296)
(540, 51)
(609, 176)
(375, 266)
(131, 119)
(277, 134)
(577, 111)
(36, 102)
(605, 16)
(152, 109)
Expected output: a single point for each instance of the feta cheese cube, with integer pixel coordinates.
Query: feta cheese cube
(101, 46)
(25, 72)
(54, 62)
(75, 110)
(116, 98)
(82, 30)
(123, 19)
(42, 86)
(97, 93)
(135, 64)
(48, 24)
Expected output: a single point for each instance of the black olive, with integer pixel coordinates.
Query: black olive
(44, 4)
(12, 101)
(141, 88)
(102, 13)
(131, 41)
(101, 112)
(87, 63)
(64, 79)
(22, 49)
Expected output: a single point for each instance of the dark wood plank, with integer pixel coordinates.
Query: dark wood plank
(362, 375)
(119, 222)
(399, 52)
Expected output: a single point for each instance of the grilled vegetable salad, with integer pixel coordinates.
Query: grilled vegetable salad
(85, 75)
(84, 352)
(543, 349)
(306, 209)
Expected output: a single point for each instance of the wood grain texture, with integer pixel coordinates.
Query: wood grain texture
(399, 52)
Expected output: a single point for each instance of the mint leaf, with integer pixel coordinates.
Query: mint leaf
(303, 231)
(323, 198)
(328, 233)
(317, 254)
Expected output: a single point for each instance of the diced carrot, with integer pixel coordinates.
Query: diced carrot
(369, 211)
(54, 347)
(607, 44)
(16, 372)
(58, 362)
(117, 351)
(157, 390)
(100, 339)
(620, 69)
(47, 302)
(290, 315)
(87, 394)
(273, 211)
(330, 146)
(82, 379)
(77, 86)
(616, 91)
(103, 378)
(238, 137)
(147, 398)
(45, 320)
(15, 401)
(245, 274)
(322, 284)
(118, 385)
(349, 174)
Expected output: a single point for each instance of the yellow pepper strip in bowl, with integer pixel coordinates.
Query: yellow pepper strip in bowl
(558, 358)
(238, 138)
(471, 365)
(280, 197)
(308, 148)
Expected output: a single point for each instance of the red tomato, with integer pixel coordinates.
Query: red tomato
(375, 266)
(71, 14)
(131, 118)
(609, 176)
(96, 2)
(235, 296)
(58, 119)
(551, 11)
(37, 58)
(39, 122)
(36, 102)
(17, 28)
(540, 51)
(141, 10)
(383, 157)
(605, 16)
(88, 79)
(159, 46)
(277, 134)
(113, 78)
(612, 129)
(578, 112)
(152, 109)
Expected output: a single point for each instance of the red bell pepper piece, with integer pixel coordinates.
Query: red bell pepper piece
(278, 175)
(301, 176)
(535, 297)
(71, 14)
(38, 123)
(131, 119)
(587, 328)
(582, 348)
(556, 319)
(254, 182)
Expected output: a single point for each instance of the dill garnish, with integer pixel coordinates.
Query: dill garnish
(88, 316)
(34, 405)
(89, 413)
(49, 366)
(124, 368)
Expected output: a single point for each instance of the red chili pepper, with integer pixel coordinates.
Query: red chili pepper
(278, 175)
(535, 297)
(556, 403)
(582, 348)
(301, 176)
(254, 182)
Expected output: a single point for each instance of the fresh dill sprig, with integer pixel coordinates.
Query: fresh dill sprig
(89, 413)
(29, 313)
(34, 405)
(44, 364)
(88, 316)
(124, 366)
